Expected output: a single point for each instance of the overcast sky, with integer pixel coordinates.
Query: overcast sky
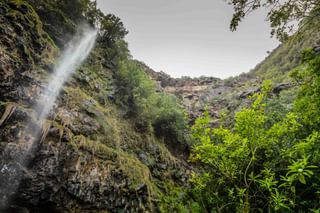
(192, 37)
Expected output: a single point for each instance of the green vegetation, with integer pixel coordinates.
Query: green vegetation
(61, 18)
(37, 48)
(283, 15)
(268, 160)
(287, 56)
(151, 111)
(265, 159)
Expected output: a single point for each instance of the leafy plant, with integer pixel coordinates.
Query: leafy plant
(261, 163)
(151, 111)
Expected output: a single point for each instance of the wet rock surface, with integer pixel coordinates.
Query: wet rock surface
(87, 157)
(82, 159)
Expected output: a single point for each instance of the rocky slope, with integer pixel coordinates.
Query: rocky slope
(229, 95)
(218, 97)
(88, 158)
(191, 91)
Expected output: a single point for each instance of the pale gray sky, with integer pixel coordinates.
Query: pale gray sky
(192, 37)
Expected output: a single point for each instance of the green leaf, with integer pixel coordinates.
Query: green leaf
(302, 179)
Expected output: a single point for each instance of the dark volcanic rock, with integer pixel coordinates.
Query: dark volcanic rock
(83, 158)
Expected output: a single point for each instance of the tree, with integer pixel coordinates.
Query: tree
(151, 111)
(91, 12)
(72, 8)
(112, 28)
(283, 15)
(262, 164)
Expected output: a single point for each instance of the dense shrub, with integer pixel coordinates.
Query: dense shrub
(265, 162)
(150, 110)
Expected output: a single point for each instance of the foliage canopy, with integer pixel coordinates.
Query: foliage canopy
(260, 163)
(282, 14)
(151, 111)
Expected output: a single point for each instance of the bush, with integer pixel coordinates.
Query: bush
(151, 111)
(168, 118)
(262, 163)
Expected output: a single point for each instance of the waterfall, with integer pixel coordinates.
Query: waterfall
(68, 63)
(11, 172)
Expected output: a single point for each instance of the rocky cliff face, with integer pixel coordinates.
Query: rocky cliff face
(217, 96)
(206, 93)
(87, 158)
(191, 91)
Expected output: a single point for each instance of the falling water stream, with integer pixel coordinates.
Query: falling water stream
(77, 50)
(70, 60)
